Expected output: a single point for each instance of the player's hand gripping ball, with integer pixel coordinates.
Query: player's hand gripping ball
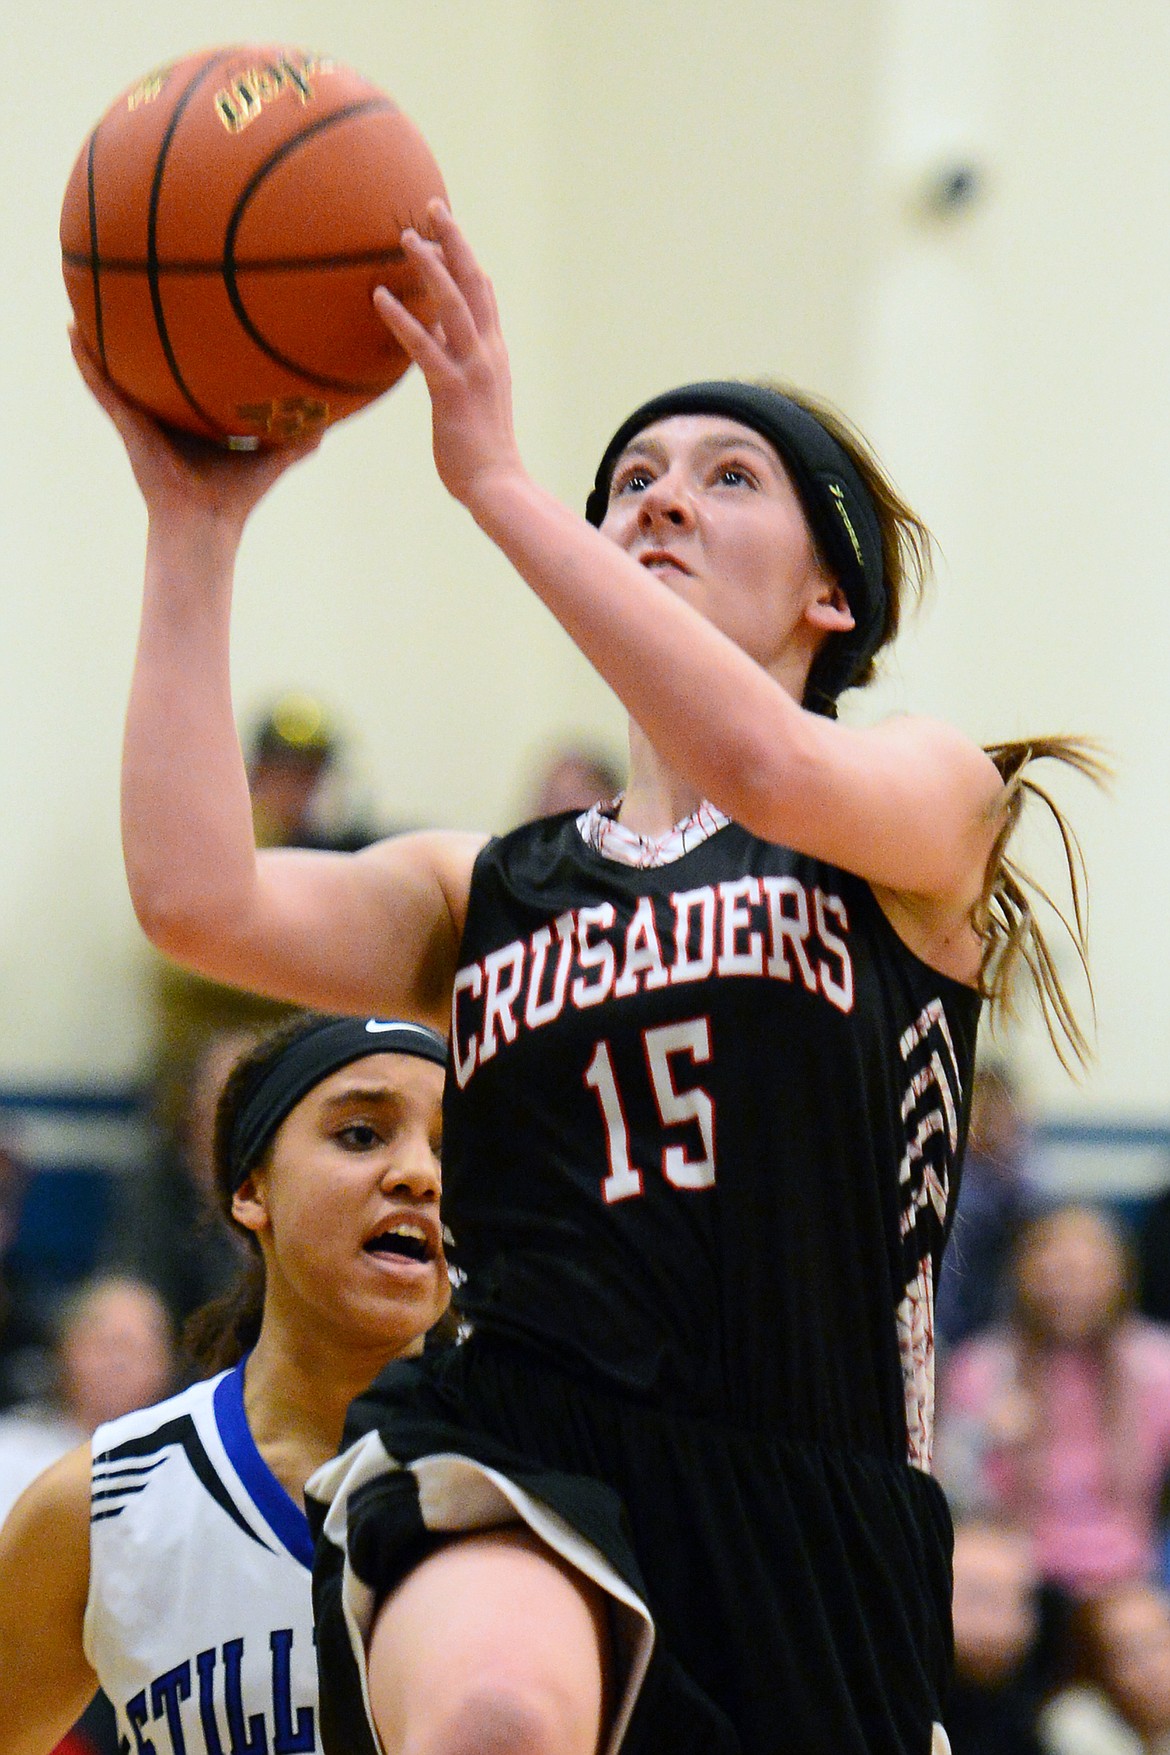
(223, 229)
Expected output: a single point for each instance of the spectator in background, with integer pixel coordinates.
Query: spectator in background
(575, 777)
(1007, 1643)
(994, 1199)
(1059, 1420)
(169, 1231)
(297, 782)
(1120, 1704)
(113, 1353)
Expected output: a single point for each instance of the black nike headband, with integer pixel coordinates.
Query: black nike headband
(836, 502)
(324, 1048)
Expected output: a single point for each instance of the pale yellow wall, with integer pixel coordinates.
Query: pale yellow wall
(1018, 371)
(659, 192)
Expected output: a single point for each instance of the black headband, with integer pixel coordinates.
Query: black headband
(323, 1049)
(836, 502)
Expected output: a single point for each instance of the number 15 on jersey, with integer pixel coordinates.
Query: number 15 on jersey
(664, 1047)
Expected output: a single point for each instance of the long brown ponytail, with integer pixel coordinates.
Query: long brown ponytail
(1006, 916)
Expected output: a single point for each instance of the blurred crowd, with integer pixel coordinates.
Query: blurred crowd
(1053, 1445)
(1052, 1322)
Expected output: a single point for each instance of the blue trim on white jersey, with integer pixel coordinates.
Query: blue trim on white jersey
(281, 1512)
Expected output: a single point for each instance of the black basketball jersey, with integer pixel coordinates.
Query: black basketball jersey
(703, 1128)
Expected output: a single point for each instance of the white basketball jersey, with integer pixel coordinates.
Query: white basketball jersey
(199, 1622)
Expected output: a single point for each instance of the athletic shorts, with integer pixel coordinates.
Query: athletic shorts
(764, 1595)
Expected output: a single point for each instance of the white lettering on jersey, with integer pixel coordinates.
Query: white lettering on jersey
(643, 956)
(624, 1178)
(686, 967)
(499, 997)
(788, 927)
(538, 1011)
(771, 928)
(737, 918)
(692, 1038)
(470, 981)
(837, 988)
(594, 956)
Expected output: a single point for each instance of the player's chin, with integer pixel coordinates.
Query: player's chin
(405, 1292)
(396, 1322)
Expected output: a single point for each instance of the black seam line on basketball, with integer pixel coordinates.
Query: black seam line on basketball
(152, 235)
(261, 265)
(318, 380)
(95, 262)
(183, 1432)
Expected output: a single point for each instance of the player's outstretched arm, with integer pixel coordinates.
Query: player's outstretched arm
(911, 807)
(44, 1581)
(377, 930)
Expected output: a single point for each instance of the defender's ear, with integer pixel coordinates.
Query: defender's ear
(250, 1202)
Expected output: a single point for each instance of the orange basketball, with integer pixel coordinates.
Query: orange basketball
(223, 229)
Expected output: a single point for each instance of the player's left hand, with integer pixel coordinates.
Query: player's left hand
(462, 356)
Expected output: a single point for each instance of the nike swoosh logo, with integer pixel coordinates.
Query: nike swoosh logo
(374, 1025)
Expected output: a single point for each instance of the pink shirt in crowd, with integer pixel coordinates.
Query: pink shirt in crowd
(1090, 1490)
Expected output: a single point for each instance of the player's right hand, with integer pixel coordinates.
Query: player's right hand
(179, 474)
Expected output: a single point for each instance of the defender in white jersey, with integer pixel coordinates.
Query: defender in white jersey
(199, 1620)
(169, 1560)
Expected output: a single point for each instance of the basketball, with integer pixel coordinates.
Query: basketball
(223, 229)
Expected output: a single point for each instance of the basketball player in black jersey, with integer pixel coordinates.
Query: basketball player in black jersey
(711, 1053)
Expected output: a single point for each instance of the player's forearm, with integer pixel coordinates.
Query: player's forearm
(186, 813)
(706, 706)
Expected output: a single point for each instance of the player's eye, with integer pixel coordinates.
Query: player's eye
(735, 475)
(358, 1136)
(634, 478)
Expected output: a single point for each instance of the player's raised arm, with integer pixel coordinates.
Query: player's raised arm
(341, 931)
(44, 1582)
(715, 692)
